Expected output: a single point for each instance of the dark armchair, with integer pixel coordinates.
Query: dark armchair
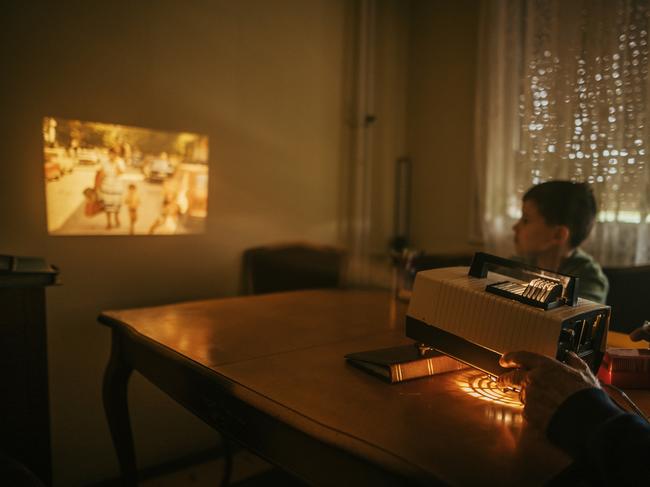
(292, 266)
(629, 296)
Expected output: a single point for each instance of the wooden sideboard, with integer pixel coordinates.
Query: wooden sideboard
(24, 403)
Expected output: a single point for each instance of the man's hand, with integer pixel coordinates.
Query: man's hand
(544, 382)
(641, 333)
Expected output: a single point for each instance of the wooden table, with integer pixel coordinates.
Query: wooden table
(268, 371)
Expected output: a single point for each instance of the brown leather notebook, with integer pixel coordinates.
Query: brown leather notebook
(397, 364)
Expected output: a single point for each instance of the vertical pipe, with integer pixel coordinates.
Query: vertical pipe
(362, 185)
(402, 209)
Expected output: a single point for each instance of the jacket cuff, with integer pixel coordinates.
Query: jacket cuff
(578, 417)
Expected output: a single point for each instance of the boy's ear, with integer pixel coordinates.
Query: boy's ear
(562, 234)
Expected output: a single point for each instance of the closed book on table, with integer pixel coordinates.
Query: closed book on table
(397, 364)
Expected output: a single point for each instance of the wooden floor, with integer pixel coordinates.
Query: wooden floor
(248, 471)
(207, 469)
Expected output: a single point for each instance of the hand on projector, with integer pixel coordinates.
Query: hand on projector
(641, 333)
(545, 383)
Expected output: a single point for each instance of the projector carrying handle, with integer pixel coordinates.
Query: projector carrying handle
(482, 261)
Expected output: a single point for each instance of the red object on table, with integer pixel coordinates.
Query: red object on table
(626, 367)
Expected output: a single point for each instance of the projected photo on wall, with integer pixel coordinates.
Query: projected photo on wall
(104, 179)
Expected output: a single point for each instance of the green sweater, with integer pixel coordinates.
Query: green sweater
(593, 284)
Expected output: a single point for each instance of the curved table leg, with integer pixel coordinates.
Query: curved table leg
(228, 461)
(116, 379)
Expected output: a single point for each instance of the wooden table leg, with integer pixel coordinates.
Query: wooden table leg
(116, 379)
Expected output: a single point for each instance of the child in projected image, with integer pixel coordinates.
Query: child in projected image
(132, 202)
(556, 218)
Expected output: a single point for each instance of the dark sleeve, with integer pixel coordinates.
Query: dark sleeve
(611, 444)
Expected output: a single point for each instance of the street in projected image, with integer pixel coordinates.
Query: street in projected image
(105, 179)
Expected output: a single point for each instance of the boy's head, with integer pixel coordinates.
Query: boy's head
(555, 214)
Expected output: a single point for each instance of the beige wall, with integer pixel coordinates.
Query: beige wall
(440, 120)
(262, 79)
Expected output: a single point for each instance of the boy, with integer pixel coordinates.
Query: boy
(556, 218)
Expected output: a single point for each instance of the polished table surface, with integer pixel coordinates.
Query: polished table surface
(269, 372)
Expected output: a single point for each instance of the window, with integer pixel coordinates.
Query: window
(568, 100)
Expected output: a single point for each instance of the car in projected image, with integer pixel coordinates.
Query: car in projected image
(58, 162)
(159, 170)
(52, 171)
(137, 160)
(87, 157)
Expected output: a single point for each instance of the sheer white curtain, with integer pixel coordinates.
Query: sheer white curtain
(563, 94)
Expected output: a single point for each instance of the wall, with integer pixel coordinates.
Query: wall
(262, 79)
(440, 120)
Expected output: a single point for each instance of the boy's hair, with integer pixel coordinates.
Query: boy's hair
(566, 203)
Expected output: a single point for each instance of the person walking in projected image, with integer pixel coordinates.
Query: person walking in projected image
(167, 221)
(110, 187)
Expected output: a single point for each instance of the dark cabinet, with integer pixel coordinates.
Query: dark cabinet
(24, 400)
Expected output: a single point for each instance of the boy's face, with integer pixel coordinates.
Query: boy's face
(533, 236)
